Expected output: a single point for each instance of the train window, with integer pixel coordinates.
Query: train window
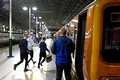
(71, 34)
(115, 17)
(111, 35)
(75, 34)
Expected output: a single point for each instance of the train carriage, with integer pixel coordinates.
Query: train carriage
(97, 55)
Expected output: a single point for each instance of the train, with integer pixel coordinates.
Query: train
(96, 34)
(4, 39)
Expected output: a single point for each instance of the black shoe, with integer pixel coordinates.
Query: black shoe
(41, 64)
(38, 66)
(34, 62)
(14, 67)
(26, 70)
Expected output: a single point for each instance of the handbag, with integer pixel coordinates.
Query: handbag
(48, 58)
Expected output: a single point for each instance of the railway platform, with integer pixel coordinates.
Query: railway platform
(46, 72)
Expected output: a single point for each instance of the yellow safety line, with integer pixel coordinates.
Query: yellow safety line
(32, 77)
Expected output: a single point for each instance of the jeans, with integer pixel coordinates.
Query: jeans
(40, 57)
(31, 56)
(22, 57)
(59, 72)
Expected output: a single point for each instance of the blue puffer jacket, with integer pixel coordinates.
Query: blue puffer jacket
(63, 56)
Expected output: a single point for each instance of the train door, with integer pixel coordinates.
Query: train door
(80, 45)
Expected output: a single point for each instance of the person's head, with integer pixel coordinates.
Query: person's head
(25, 36)
(63, 32)
(31, 36)
(43, 39)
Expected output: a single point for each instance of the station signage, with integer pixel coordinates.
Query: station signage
(6, 5)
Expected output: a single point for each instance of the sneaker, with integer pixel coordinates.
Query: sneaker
(14, 67)
(34, 62)
(26, 70)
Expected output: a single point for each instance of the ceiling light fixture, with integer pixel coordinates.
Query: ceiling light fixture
(40, 17)
(34, 8)
(25, 8)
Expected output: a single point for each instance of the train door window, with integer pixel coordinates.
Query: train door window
(71, 33)
(75, 30)
(111, 35)
(80, 44)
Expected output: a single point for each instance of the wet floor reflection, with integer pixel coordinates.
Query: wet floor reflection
(22, 76)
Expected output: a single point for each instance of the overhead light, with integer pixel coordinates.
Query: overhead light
(25, 8)
(3, 25)
(34, 8)
(42, 22)
(68, 24)
(33, 17)
(37, 22)
(72, 25)
(40, 17)
(75, 20)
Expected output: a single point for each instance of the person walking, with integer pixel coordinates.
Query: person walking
(43, 48)
(63, 47)
(23, 52)
(30, 47)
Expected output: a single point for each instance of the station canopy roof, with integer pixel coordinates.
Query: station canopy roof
(54, 13)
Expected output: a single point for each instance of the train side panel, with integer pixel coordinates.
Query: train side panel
(100, 70)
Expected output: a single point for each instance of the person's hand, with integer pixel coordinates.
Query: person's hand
(29, 52)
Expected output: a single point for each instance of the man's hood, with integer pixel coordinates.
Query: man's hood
(64, 38)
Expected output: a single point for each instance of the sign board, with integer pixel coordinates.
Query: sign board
(6, 5)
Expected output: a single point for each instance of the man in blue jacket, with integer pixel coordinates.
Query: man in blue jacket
(63, 47)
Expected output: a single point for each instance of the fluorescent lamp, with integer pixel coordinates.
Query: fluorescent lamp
(40, 17)
(25, 8)
(72, 25)
(33, 17)
(37, 22)
(75, 20)
(34, 8)
(42, 22)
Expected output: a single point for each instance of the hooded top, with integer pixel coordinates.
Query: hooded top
(63, 55)
(31, 44)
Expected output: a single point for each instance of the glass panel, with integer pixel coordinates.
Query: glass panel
(115, 17)
(111, 35)
(112, 38)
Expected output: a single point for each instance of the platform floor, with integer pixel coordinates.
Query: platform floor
(46, 72)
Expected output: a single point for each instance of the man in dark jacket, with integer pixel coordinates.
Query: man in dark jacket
(23, 53)
(43, 48)
(63, 47)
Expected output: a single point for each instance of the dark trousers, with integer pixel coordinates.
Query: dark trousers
(31, 56)
(22, 57)
(59, 72)
(40, 57)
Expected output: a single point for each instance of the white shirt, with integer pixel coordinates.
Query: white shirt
(31, 44)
